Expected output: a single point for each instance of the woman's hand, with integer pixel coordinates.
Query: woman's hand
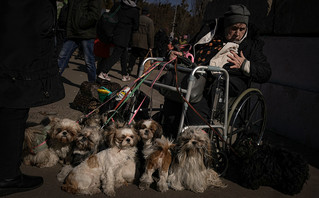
(236, 60)
(174, 54)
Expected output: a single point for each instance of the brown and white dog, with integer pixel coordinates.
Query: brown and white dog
(88, 141)
(48, 143)
(189, 169)
(148, 130)
(108, 169)
(159, 159)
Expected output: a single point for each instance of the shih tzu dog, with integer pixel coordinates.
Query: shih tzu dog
(256, 165)
(89, 141)
(160, 158)
(108, 169)
(148, 130)
(95, 119)
(190, 166)
(50, 142)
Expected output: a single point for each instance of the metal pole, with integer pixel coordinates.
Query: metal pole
(174, 22)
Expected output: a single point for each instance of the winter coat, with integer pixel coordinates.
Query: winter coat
(144, 37)
(252, 47)
(82, 18)
(128, 22)
(28, 68)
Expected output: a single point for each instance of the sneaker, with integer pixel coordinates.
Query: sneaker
(126, 78)
(104, 76)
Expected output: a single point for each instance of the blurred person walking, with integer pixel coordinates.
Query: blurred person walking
(142, 40)
(128, 22)
(81, 30)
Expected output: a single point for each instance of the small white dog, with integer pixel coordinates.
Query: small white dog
(108, 169)
(189, 169)
(50, 142)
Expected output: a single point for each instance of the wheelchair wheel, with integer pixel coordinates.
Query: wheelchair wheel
(220, 162)
(220, 159)
(247, 117)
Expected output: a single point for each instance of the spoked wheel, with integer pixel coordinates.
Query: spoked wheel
(220, 159)
(220, 162)
(247, 116)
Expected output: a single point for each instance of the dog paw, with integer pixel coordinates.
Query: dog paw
(120, 183)
(110, 193)
(199, 190)
(162, 188)
(144, 186)
(178, 187)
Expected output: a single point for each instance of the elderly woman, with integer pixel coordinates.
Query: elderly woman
(230, 42)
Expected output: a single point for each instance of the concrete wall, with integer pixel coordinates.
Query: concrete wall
(292, 94)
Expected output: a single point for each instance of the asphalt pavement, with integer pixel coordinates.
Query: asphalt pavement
(74, 75)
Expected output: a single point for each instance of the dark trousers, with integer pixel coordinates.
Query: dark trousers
(13, 123)
(137, 53)
(106, 64)
(172, 114)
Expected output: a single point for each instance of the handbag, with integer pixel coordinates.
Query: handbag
(101, 49)
(183, 78)
(148, 64)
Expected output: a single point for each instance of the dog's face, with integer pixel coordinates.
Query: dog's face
(122, 137)
(63, 130)
(194, 141)
(88, 138)
(95, 120)
(149, 129)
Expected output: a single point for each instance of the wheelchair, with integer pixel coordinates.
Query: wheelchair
(231, 118)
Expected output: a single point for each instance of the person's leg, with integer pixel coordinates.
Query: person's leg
(202, 108)
(172, 113)
(13, 123)
(87, 46)
(132, 60)
(124, 56)
(106, 64)
(66, 52)
(116, 54)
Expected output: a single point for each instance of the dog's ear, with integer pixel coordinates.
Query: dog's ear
(208, 159)
(46, 121)
(110, 135)
(137, 138)
(158, 130)
(137, 125)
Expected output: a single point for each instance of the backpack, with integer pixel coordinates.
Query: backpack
(106, 25)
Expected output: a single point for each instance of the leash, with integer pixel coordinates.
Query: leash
(125, 98)
(150, 88)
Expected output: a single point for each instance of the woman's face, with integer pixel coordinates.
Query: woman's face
(235, 32)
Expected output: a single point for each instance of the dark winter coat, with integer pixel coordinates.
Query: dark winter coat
(144, 37)
(128, 22)
(82, 18)
(252, 47)
(28, 69)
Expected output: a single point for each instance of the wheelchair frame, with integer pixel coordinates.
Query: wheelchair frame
(230, 115)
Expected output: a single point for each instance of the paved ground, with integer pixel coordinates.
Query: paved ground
(75, 75)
